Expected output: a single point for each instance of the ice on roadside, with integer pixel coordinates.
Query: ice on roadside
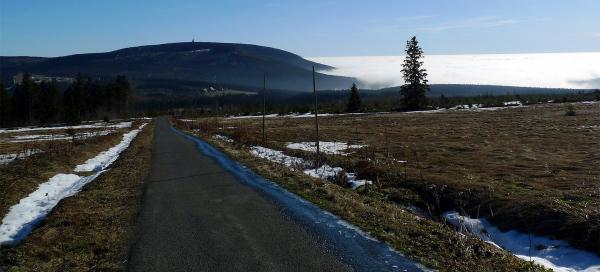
(557, 255)
(331, 148)
(23, 217)
(105, 158)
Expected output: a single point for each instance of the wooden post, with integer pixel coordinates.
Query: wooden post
(264, 138)
(316, 112)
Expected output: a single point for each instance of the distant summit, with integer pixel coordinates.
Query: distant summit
(177, 65)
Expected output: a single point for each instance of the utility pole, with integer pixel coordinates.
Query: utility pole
(264, 138)
(316, 112)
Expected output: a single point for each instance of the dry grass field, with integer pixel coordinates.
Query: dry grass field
(22, 176)
(532, 169)
(92, 230)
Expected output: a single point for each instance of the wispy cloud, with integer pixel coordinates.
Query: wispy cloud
(478, 22)
(412, 18)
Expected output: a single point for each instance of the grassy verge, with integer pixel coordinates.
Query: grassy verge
(23, 176)
(431, 243)
(91, 230)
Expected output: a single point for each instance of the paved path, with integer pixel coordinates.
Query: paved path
(198, 217)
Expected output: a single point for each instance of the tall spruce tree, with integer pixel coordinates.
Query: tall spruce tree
(354, 104)
(415, 77)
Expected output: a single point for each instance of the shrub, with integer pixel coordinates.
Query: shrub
(570, 111)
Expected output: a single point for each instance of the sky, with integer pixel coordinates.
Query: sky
(318, 28)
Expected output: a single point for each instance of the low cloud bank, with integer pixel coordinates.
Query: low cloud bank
(547, 70)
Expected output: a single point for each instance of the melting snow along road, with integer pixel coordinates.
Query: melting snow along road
(204, 212)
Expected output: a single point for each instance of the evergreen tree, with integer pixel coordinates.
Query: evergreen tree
(94, 98)
(5, 107)
(73, 102)
(123, 95)
(354, 104)
(23, 101)
(47, 103)
(444, 101)
(415, 77)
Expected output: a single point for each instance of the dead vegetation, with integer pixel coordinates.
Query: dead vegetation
(90, 231)
(21, 177)
(533, 169)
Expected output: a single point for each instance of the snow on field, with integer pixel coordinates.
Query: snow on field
(332, 148)
(473, 107)
(278, 157)
(554, 254)
(301, 115)
(105, 158)
(589, 127)
(94, 125)
(8, 158)
(513, 103)
(56, 137)
(329, 173)
(23, 217)
(254, 116)
(223, 138)
(325, 172)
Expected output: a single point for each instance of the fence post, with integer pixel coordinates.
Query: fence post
(264, 138)
(316, 113)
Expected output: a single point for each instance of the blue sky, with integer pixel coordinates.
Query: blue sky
(305, 27)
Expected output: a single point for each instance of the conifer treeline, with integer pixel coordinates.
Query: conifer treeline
(32, 103)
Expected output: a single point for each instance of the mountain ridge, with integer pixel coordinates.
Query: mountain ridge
(220, 63)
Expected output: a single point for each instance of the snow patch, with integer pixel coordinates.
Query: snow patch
(301, 115)
(324, 172)
(94, 125)
(8, 158)
(329, 173)
(278, 157)
(513, 103)
(57, 137)
(332, 148)
(554, 254)
(223, 138)
(23, 217)
(105, 158)
(201, 50)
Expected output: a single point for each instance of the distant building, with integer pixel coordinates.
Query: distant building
(18, 79)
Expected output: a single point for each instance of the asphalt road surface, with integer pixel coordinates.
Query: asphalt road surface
(197, 217)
